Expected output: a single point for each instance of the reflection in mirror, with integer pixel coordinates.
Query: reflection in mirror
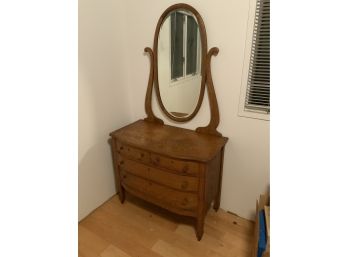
(179, 63)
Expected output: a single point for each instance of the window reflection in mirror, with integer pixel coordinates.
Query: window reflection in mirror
(179, 63)
(184, 48)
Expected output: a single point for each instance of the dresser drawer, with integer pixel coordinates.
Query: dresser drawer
(133, 153)
(161, 195)
(180, 167)
(184, 183)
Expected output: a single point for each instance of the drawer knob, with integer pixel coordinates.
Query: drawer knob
(185, 169)
(121, 148)
(184, 185)
(121, 162)
(141, 155)
(184, 202)
(124, 176)
(156, 161)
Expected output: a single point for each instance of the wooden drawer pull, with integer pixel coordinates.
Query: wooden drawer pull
(184, 202)
(121, 148)
(156, 161)
(185, 169)
(121, 162)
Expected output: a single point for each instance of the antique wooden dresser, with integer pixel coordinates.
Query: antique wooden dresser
(175, 168)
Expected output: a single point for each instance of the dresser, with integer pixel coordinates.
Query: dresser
(177, 169)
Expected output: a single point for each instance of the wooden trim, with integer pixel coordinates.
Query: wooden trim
(179, 114)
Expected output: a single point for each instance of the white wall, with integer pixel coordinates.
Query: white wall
(246, 168)
(113, 75)
(103, 97)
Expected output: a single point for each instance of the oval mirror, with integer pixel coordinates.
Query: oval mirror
(180, 54)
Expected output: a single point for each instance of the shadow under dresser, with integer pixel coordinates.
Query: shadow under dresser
(175, 168)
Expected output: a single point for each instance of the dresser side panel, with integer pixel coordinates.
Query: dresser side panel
(212, 180)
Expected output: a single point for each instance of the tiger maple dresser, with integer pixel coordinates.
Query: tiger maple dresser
(175, 168)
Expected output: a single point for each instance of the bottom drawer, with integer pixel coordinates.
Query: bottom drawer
(161, 195)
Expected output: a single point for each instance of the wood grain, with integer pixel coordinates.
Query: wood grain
(177, 169)
(160, 176)
(170, 141)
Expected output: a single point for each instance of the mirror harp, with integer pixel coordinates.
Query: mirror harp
(206, 81)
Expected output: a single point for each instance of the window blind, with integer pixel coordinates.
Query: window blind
(258, 88)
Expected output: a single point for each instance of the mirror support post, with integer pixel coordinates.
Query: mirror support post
(214, 107)
(148, 98)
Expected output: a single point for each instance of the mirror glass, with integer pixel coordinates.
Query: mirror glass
(179, 63)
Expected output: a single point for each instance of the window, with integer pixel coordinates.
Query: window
(257, 88)
(184, 36)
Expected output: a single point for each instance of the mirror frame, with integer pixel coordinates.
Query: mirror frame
(206, 77)
(203, 37)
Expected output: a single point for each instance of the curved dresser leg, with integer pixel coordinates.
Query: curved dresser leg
(199, 228)
(121, 194)
(216, 203)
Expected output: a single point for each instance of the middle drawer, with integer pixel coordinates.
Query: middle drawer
(184, 183)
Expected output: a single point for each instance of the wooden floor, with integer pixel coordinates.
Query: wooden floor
(138, 229)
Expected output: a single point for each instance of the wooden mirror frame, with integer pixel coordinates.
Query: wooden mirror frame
(205, 72)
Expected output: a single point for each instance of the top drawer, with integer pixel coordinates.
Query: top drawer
(180, 167)
(133, 153)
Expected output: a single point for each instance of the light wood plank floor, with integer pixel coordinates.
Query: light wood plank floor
(139, 229)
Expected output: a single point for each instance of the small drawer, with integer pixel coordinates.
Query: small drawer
(133, 167)
(180, 167)
(133, 153)
(175, 181)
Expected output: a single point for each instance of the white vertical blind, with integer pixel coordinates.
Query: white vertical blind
(258, 89)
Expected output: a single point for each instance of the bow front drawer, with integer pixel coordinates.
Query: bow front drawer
(161, 195)
(175, 181)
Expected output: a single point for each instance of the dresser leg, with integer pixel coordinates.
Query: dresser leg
(216, 205)
(218, 194)
(199, 228)
(121, 194)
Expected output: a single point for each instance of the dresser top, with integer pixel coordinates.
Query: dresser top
(170, 141)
